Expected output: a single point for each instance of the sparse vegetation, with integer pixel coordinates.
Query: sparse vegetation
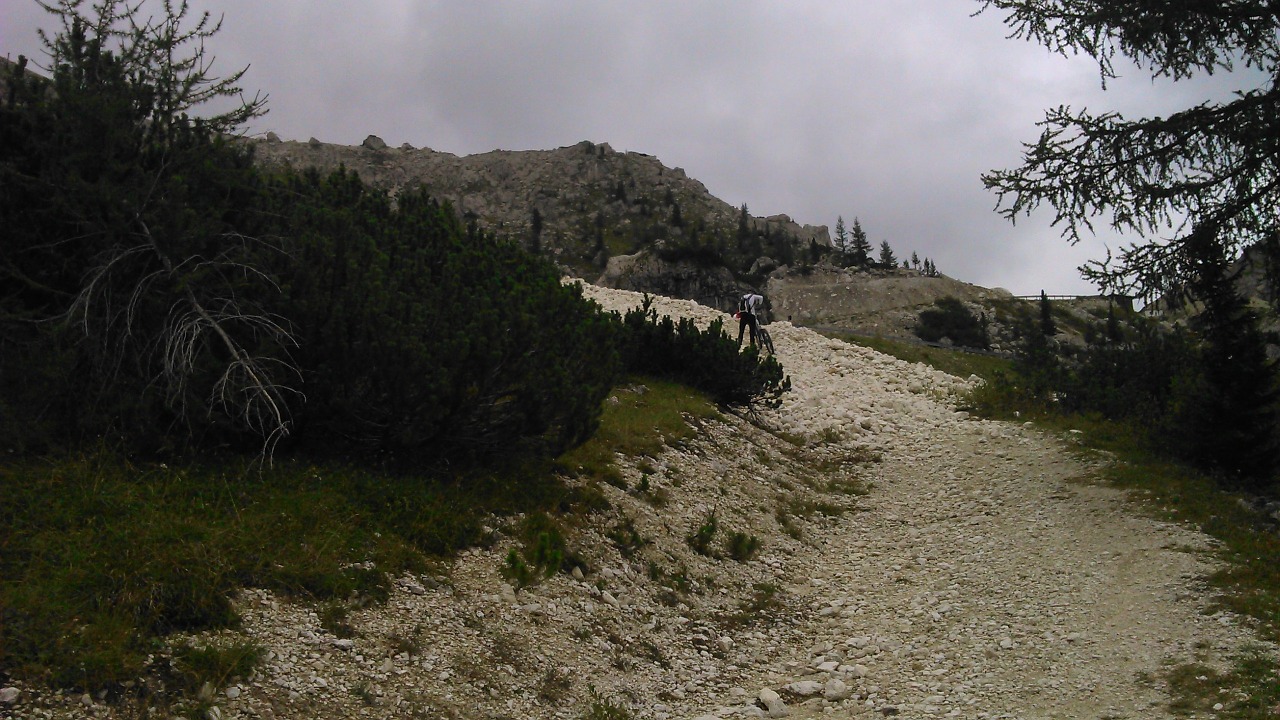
(602, 708)
(741, 546)
(765, 602)
(213, 666)
(700, 539)
(555, 685)
(627, 539)
(543, 554)
(333, 618)
(959, 364)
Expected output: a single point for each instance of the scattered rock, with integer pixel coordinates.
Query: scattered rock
(804, 688)
(773, 704)
(835, 690)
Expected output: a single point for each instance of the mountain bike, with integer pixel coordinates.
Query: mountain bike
(765, 340)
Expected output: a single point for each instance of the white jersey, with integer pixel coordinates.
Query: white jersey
(753, 303)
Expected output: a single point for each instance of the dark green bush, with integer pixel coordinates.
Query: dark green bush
(707, 360)
(421, 339)
(1130, 376)
(949, 318)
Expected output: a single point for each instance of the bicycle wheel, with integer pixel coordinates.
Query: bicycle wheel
(766, 340)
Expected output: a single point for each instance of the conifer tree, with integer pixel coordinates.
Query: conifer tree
(887, 258)
(535, 231)
(743, 235)
(860, 247)
(1036, 358)
(1048, 327)
(121, 228)
(1155, 178)
(1231, 418)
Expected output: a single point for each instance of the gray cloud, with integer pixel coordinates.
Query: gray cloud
(816, 108)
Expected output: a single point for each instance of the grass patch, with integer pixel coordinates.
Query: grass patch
(953, 362)
(101, 555)
(1249, 584)
(639, 420)
(1249, 690)
(602, 708)
(214, 666)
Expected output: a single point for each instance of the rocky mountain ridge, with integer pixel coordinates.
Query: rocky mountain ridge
(579, 204)
(624, 220)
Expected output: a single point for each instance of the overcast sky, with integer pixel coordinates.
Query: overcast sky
(884, 110)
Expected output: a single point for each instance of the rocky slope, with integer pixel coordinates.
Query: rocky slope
(579, 204)
(913, 561)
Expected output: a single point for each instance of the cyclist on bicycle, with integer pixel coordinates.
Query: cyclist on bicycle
(749, 309)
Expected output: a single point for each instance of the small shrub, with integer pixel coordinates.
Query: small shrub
(602, 708)
(764, 602)
(544, 552)
(333, 618)
(743, 547)
(627, 539)
(517, 571)
(949, 318)
(701, 538)
(548, 553)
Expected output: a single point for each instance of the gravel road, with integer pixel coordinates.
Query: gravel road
(914, 562)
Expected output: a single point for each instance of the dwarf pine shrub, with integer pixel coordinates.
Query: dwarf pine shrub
(707, 360)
